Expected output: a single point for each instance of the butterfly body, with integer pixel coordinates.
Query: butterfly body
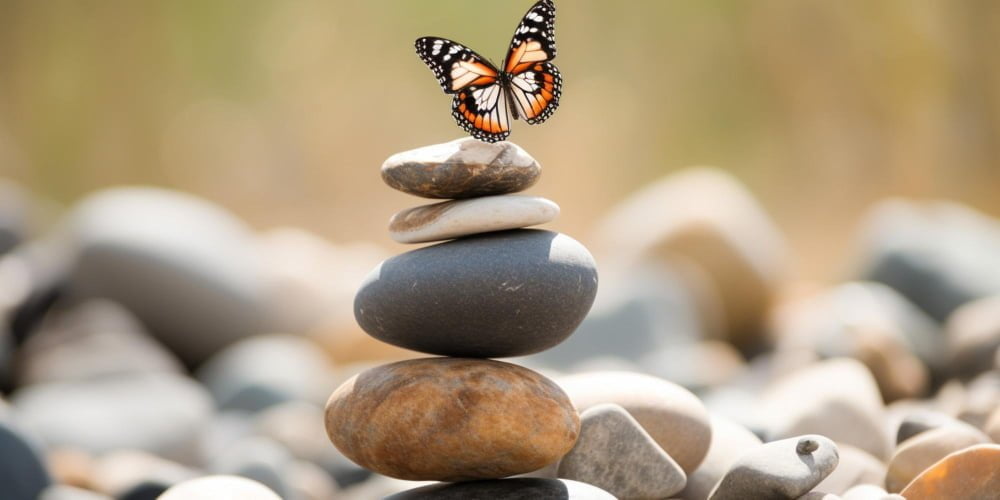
(527, 86)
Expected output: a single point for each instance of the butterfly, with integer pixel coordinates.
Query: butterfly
(485, 97)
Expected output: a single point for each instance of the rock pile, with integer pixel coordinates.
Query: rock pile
(498, 290)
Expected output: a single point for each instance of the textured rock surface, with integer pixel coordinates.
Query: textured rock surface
(188, 269)
(729, 441)
(463, 168)
(671, 415)
(507, 489)
(447, 419)
(783, 469)
(23, 473)
(614, 453)
(837, 398)
(452, 219)
(921, 451)
(219, 488)
(969, 474)
(493, 295)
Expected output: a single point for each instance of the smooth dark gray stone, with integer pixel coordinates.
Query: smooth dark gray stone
(507, 489)
(23, 475)
(501, 294)
(923, 420)
(938, 254)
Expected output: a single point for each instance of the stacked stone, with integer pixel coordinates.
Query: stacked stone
(495, 290)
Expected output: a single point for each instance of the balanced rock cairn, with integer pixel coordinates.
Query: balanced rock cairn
(498, 290)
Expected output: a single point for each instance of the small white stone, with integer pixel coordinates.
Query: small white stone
(452, 219)
(219, 488)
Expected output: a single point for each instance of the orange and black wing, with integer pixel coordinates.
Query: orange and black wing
(479, 104)
(535, 83)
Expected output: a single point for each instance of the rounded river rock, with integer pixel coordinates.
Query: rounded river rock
(463, 168)
(509, 293)
(451, 419)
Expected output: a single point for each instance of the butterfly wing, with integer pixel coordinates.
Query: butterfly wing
(535, 83)
(479, 105)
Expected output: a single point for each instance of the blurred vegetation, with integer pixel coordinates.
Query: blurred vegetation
(283, 111)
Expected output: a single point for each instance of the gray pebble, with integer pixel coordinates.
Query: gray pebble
(779, 470)
(493, 295)
(614, 453)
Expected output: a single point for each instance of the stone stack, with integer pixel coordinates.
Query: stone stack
(495, 290)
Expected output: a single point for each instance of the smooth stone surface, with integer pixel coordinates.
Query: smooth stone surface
(917, 421)
(264, 370)
(463, 168)
(992, 427)
(918, 453)
(298, 426)
(136, 474)
(973, 333)
(23, 472)
(649, 309)
(869, 492)
(65, 492)
(685, 364)
(969, 474)
(672, 415)
(158, 413)
(729, 441)
(615, 454)
(190, 271)
(447, 419)
(855, 466)
(91, 339)
(259, 459)
(837, 398)
(500, 294)
(456, 218)
(507, 489)
(779, 470)
(872, 323)
(708, 219)
(309, 481)
(219, 488)
(939, 254)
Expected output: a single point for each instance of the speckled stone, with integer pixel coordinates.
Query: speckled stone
(450, 419)
(778, 470)
(969, 474)
(499, 294)
(672, 415)
(617, 455)
(507, 489)
(463, 168)
(456, 218)
(918, 453)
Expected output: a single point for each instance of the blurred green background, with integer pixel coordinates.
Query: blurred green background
(283, 111)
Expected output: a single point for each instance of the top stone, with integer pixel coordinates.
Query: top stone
(463, 168)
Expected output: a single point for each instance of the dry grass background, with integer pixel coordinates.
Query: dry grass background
(283, 111)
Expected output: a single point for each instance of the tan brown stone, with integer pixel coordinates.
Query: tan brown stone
(449, 419)
(921, 451)
(969, 474)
